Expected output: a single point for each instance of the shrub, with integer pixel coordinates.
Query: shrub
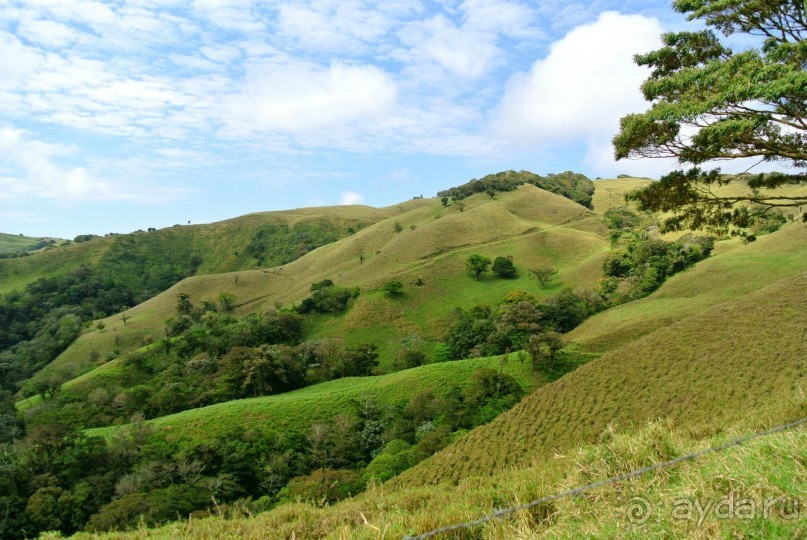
(393, 288)
(504, 267)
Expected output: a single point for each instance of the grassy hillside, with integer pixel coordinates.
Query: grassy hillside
(14, 243)
(726, 368)
(718, 350)
(732, 272)
(300, 408)
(221, 246)
(610, 193)
(704, 371)
(537, 228)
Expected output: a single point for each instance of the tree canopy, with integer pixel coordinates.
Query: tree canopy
(712, 103)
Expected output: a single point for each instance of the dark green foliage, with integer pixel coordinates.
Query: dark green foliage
(444, 201)
(477, 265)
(262, 371)
(410, 354)
(468, 335)
(275, 244)
(544, 348)
(543, 275)
(487, 384)
(153, 508)
(571, 185)
(644, 263)
(621, 218)
(327, 298)
(85, 238)
(226, 301)
(504, 267)
(483, 332)
(393, 288)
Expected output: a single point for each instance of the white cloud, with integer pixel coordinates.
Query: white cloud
(36, 169)
(301, 97)
(462, 52)
(351, 197)
(585, 84)
(16, 61)
(333, 24)
(47, 33)
(235, 15)
(463, 43)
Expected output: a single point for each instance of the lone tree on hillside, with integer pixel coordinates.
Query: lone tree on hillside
(544, 348)
(711, 103)
(477, 265)
(504, 267)
(544, 275)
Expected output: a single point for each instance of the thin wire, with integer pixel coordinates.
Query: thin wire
(582, 489)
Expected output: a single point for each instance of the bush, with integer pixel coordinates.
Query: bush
(393, 288)
(327, 298)
(504, 267)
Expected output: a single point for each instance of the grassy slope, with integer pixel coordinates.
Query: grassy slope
(611, 193)
(536, 227)
(220, 244)
(727, 275)
(298, 409)
(11, 243)
(703, 371)
(740, 363)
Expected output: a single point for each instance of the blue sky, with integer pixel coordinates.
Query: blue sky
(116, 116)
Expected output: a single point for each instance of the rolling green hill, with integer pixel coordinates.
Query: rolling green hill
(535, 227)
(750, 350)
(765, 471)
(11, 244)
(220, 247)
(725, 367)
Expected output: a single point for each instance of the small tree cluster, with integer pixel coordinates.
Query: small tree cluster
(327, 298)
(477, 265)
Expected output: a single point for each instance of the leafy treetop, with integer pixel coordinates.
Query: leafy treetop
(711, 103)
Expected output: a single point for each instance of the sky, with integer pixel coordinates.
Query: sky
(124, 115)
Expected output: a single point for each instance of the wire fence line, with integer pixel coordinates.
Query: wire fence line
(582, 489)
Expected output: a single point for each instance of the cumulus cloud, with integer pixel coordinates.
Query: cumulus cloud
(301, 97)
(351, 197)
(584, 85)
